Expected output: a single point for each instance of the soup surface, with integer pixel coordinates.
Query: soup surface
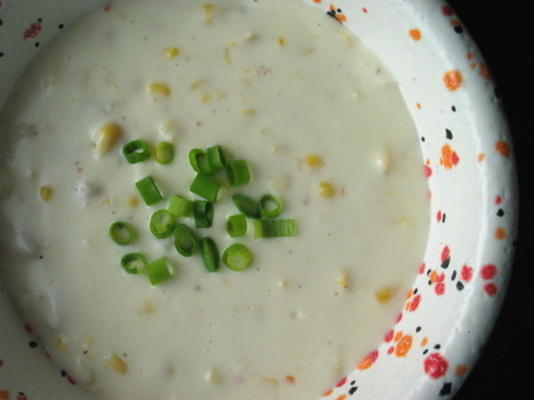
(321, 124)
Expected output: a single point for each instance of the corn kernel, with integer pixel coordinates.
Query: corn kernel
(133, 201)
(107, 137)
(197, 84)
(46, 193)
(117, 363)
(326, 189)
(313, 160)
(270, 381)
(281, 41)
(249, 111)
(343, 280)
(172, 52)
(208, 13)
(213, 376)
(87, 343)
(206, 97)
(60, 343)
(148, 308)
(159, 89)
(384, 295)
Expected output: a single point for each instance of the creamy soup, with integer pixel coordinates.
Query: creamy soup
(321, 124)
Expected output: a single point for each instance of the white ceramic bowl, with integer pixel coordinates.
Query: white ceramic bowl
(463, 275)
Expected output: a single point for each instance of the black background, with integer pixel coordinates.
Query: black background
(503, 34)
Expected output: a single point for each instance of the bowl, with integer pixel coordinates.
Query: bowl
(459, 286)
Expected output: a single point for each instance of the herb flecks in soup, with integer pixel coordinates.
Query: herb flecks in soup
(332, 169)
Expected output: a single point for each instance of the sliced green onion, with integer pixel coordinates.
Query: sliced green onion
(270, 206)
(205, 187)
(237, 257)
(267, 228)
(164, 152)
(210, 254)
(203, 213)
(180, 207)
(134, 263)
(236, 225)
(136, 151)
(216, 158)
(159, 271)
(200, 162)
(247, 205)
(121, 233)
(185, 241)
(238, 172)
(162, 224)
(148, 190)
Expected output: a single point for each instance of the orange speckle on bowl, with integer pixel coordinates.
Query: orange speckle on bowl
(341, 397)
(409, 293)
(397, 336)
(503, 148)
(424, 342)
(469, 55)
(460, 370)
(500, 233)
(317, 1)
(328, 393)
(290, 379)
(368, 361)
(418, 106)
(403, 347)
(449, 158)
(473, 65)
(453, 80)
(481, 157)
(415, 34)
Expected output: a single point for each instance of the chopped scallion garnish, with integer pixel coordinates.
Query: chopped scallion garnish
(200, 162)
(203, 213)
(164, 152)
(162, 224)
(237, 257)
(270, 206)
(236, 225)
(148, 190)
(205, 187)
(216, 158)
(136, 151)
(180, 207)
(247, 206)
(159, 271)
(210, 254)
(268, 228)
(122, 233)
(134, 263)
(238, 172)
(185, 241)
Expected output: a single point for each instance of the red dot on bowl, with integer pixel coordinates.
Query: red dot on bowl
(341, 382)
(490, 289)
(435, 365)
(466, 273)
(488, 271)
